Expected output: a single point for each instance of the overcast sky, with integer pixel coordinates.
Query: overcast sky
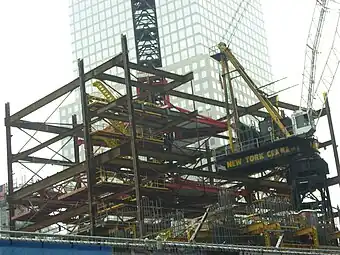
(35, 50)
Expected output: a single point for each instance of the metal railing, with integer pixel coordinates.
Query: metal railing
(246, 144)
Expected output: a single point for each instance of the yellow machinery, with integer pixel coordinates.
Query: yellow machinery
(264, 229)
(115, 126)
(120, 127)
(225, 56)
(273, 112)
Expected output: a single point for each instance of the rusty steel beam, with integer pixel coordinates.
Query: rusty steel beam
(65, 174)
(40, 126)
(65, 89)
(159, 72)
(9, 164)
(89, 162)
(55, 219)
(133, 135)
(177, 122)
(24, 154)
(38, 160)
(144, 86)
(333, 140)
(333, 181)
(163, 168)
(325, 144)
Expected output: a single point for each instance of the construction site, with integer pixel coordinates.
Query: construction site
(150, 174)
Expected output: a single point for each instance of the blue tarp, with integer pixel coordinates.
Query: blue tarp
(14, 247)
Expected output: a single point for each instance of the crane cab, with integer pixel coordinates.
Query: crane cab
(303, 123)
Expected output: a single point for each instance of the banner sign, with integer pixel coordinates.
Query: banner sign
(261, 157)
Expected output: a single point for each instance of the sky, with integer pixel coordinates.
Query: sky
(35, 53)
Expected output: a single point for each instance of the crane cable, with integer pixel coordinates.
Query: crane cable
(308, 81)
(238, 21)
(333, 51)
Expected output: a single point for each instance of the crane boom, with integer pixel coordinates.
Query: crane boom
(312, 46)
(276, 117)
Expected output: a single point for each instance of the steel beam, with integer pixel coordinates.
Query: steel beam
(165, 155)
(161, 73)
(55, 139)
(211, 102)
(333, 140)
(134, 152)
(38, 160)
(209, 163)
(111, 116)
(9, 164)
(176, 122)
(113, 78)
(163, 168)
(109, 77)
(246, 180)
(176, 83)
(75, 141)
(333, 181)
(65, 174)
(55, 219)
(65, 89)
(255, 107)
(325, 144)
(40, 126)
(156, 89)
(46, 202)
(109, 106)
(89, 163)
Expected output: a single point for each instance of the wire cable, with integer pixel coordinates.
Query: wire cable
(49, 116)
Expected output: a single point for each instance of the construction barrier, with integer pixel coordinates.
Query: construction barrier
(24, 243)
(18, 247)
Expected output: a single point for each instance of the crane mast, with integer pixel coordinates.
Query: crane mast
(147, 45)
(303, 119)
(311, 54)
(145, 25)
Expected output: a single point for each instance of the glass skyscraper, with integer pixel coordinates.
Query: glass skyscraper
(188, 29)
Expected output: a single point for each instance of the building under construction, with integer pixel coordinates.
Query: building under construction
(149, 171)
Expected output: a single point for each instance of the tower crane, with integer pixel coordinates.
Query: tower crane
(147, 43)
(303, 121)
(304, 118)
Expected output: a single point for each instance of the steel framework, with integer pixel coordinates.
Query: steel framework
(103, 194)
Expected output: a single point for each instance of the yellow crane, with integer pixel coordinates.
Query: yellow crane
(225, 56)
(115, 126)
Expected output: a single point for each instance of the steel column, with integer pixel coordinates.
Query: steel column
(75, 141)
(9, 164)
(134, 152)
(331, 131)
(89, 163)
(207, 149)
(76, 150)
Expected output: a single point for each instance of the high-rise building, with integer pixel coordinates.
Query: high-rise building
(187, 31)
